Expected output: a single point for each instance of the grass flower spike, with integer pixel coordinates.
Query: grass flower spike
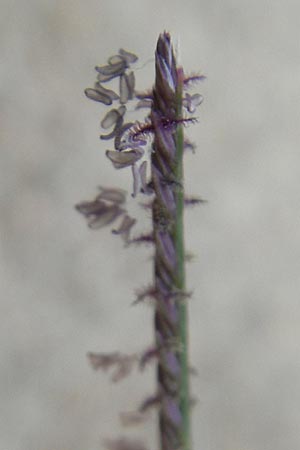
(154, 151)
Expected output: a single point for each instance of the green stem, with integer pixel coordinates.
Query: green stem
(180, 275)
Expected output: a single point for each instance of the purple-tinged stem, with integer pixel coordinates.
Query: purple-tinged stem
(169, 275)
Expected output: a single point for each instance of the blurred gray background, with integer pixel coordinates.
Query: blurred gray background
(66, 290)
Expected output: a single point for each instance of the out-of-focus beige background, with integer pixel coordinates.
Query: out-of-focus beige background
(66, 290)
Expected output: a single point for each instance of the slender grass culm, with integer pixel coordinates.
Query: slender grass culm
(156, 146)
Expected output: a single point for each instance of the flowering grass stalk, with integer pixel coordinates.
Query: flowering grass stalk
(167, 214)
(165, 124)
